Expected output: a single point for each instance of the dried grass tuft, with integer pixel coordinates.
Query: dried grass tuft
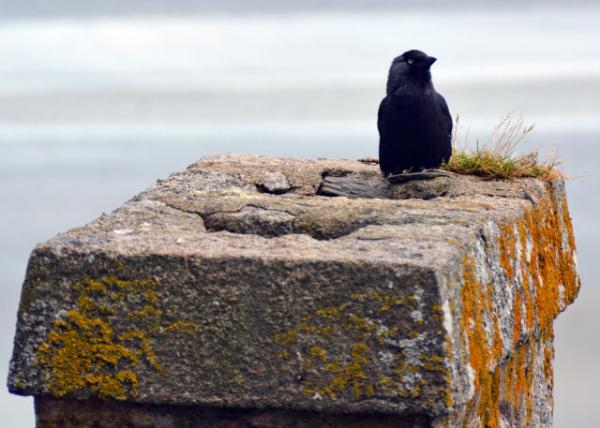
(500, 157)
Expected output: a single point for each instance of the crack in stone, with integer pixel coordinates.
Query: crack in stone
(304, 217)
(253, 225)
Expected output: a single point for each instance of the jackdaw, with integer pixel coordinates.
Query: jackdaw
(415, 126)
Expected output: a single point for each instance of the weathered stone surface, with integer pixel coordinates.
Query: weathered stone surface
(217, 288)
(275, 182)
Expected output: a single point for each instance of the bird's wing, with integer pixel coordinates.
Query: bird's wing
(446, 111)
(381, 115)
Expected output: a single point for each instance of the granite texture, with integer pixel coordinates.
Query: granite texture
(237, 284)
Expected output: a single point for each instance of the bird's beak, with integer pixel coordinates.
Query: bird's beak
(431, 60)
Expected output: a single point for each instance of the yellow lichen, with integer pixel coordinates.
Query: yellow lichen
(86, 349)
(361, 326)
(330, 313)
(448, 399)
(318, 352)
(181, 326)
(81, 352)
(437, 312)
(286, 337)
(386, 301)
(350, 375)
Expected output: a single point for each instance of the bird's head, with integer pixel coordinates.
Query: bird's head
(412, 66)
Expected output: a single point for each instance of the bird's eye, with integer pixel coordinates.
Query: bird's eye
(410, 60)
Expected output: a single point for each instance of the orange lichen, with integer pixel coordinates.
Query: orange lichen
(507, 248)
(87, 350)
(546, 264)
(544, 283)
(529, 385)
(482, 357)
(567, 223)
(548, 360)
(519, 383)
(529, 309)
(518, 316)
(498, 348)
(494, 382)
(509, 375)
(529, 294)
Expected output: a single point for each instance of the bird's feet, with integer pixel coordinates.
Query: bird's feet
(422, 174)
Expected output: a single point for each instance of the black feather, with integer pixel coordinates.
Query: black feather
(414, 122)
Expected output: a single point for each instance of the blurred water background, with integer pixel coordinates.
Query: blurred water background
(99, 99)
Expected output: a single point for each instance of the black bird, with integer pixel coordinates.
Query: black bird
(415, 126)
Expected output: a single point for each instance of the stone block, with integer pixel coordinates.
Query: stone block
(237, 291)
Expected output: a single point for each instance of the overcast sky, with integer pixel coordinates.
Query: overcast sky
(42, 8)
